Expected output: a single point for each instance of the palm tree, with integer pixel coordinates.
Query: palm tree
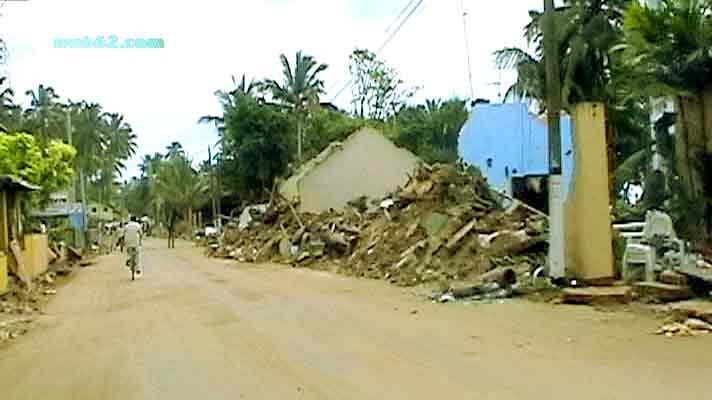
(6, 104)
(227, 101)
(587, 32)
(119, 144)
(121, 141)
(174, 149)
(670, 49)
(44, 111)
(300, 88)
(180, 189)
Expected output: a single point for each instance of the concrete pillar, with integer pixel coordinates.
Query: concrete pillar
(589, 251)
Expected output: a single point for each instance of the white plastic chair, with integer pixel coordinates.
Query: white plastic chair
(639, 248)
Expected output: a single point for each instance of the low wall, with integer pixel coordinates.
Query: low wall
(36, 254)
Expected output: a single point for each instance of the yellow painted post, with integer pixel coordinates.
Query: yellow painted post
(4, 224)
(3, 273)
(589, 252)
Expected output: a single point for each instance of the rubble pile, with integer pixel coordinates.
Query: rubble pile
(690, 327)
(445, 225)
(21, 303)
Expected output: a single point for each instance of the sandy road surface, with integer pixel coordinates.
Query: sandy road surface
(195, 328)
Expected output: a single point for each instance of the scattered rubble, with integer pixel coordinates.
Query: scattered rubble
(20, 305)
(655, 291)
(443, 226)
(691, 327)
(597, 295)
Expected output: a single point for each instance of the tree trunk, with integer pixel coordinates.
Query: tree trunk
(299, 138)
(693, 151)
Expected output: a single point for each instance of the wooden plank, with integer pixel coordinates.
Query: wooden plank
(663, 291)
(598, 295)
(629, 226)
(460, 234)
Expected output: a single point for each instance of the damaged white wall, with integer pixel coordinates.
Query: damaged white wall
(367, 164)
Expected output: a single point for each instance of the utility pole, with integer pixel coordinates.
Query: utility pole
(557, 265)
(212, 188)
(68, 126)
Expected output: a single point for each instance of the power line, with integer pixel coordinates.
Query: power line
(400, 15)
(385, 43)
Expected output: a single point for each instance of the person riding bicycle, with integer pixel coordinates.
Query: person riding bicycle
(132, 240)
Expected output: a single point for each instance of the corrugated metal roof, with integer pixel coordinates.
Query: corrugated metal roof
(11, 182)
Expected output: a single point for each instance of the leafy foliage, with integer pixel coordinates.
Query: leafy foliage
(256, 148)
(179, 186)
(46, 165)
(671, 47)
(670, 50)
(431, 131)
(378, 91)
(299, 90)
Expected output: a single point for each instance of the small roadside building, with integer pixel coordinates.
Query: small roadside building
(364, 164)
(65, 219)
(100, 213)
(11, 231)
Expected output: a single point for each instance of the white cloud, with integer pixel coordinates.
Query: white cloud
(162, 92)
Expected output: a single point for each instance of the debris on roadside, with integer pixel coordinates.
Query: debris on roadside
(697, 309)
(655, 291)
(597, 295)
(21, 303)
(690, 327)
(443, 226)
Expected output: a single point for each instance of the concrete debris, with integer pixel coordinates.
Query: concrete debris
(597, 295)
(655, 291)
(691, 327)
(673, 278)
(447, 297)
(429, 231)
(697, 309)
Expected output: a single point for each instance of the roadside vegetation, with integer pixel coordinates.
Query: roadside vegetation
(613, 51)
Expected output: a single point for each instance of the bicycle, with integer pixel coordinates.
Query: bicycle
(132, 262)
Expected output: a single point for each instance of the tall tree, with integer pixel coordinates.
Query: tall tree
(378, 91)
(257, 146)
(299, 90)
(44, 113)
(671, 51)
(174, 149)
(431, 131)
(6, 104)
(588, 33)
(180, 188)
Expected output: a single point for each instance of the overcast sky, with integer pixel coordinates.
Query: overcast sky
(163, 92)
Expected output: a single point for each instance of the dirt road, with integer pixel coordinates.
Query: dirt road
(195, 328)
